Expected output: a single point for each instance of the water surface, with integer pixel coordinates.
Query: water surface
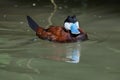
(23, 56)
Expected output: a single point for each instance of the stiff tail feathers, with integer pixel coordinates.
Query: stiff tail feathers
(32, 23)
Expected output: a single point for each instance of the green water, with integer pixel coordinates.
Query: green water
(23, 56)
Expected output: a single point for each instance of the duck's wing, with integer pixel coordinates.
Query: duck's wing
(32, 23)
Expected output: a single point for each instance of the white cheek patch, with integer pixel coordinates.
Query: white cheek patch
(67, 25)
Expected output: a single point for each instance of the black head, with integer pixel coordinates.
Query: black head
(74, 19)
(69, 19)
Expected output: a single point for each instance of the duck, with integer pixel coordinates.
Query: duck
(56, 33)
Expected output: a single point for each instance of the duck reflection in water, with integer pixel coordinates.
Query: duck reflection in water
(72, 55)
